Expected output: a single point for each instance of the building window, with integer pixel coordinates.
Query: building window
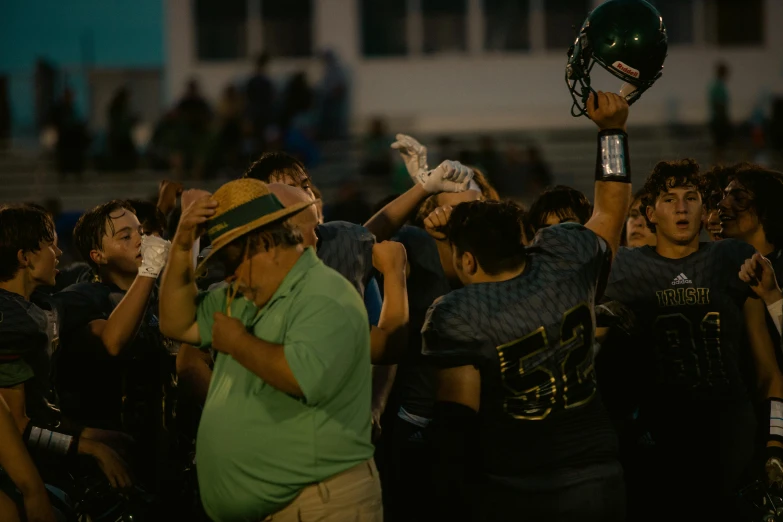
(563, 20)
(221, 29)
(678, 17)
(287, 27)
(507, 25)
(444, 25)
(383, 27)
(736, 23)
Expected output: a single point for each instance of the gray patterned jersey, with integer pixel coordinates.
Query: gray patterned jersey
(532, 337)
(691, 310)
(347, 248)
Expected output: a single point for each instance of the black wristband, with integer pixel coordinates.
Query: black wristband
(613, 161)
(50, 441)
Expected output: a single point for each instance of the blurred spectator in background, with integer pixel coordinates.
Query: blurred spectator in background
(489, 160)
(72, 136)
(536, 172)
(444, 150)
(120, 147)
(194, 116)
(226, 149)
(350, 205)
(377, 154)
(297, 121)
(163, 143)
(333, 92)
(720, 124)
(260, 95)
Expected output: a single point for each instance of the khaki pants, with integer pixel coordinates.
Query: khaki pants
(352, 496)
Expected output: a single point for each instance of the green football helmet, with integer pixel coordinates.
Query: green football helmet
(625, 37)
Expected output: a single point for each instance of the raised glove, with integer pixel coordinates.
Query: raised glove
(154, 253)
(413, 153)
(450, 176)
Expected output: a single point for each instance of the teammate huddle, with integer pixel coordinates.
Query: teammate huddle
(575, 362)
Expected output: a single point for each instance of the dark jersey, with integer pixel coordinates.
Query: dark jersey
(347, 248)
(123, 392)
(414, 384)
(532, 337)
(692, 311)
(28, 339)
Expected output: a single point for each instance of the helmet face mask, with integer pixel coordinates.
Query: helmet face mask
(625, 37)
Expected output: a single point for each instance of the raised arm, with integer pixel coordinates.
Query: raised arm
(178, 288)
(612, 170)
(450, 176)
(390, 338)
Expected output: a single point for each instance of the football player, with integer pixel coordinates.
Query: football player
(636, 232)
(714, 181)
(518, 427)
(557, 205)
(115, 370)
(751, 211)
(29, 337)
(698, 316)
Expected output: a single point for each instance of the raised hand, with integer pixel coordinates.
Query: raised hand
(193, 221)
(389, 257)
(437, 220)
(607, 110)
(413, 153)
(450, 176)
(759, 274)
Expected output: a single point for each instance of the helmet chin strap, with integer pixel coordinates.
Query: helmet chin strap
(626, 90)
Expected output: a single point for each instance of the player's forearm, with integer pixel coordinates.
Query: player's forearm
(15, 459)
(267, 361)
(124, 321)
(178, 291)
(393, 322)
(382, 384)
(612, 200)
(393, 216)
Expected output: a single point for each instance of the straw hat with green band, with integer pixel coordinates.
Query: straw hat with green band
(243, 205)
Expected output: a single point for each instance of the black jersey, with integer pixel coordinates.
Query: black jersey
(692, 311)
(414, 384)
(123, 392)
(347, 248)
(532, 339)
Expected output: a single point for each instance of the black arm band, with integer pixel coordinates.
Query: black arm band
(613, 162)
(50, 441)
(775, 408)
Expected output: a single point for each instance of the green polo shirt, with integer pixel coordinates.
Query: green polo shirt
(257, 447)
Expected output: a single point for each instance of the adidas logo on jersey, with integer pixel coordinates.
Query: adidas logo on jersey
(681, 279)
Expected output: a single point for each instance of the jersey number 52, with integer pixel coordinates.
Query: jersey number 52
(539, 378)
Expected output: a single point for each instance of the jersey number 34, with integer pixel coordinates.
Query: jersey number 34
(540, 378)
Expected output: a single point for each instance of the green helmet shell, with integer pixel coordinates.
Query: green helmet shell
(625, 37)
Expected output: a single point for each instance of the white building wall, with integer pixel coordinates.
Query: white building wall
(488, 91)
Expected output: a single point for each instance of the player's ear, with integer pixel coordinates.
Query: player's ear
(23, 258)
(469, 263)
(650, 210)
(97, 257)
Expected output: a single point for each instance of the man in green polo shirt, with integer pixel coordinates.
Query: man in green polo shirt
(285, 431)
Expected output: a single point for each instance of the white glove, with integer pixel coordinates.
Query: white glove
(450, 176)
(154, 253)
(413, 153)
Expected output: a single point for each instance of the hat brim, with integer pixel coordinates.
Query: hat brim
(240, 231)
